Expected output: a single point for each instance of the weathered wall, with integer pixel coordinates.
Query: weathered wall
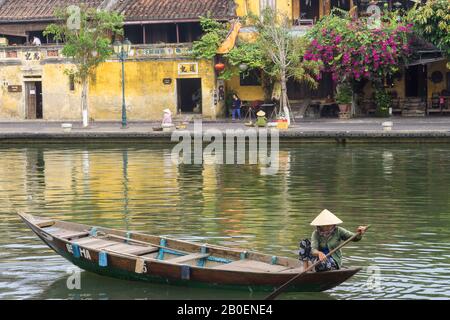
(146, 94)
(247, 93)
(11, 103)
(59, 102)
(437, 87)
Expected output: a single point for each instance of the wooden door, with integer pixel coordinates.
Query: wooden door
(422, 82)
(30, 100)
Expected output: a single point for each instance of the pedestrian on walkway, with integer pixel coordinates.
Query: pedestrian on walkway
(236, 107)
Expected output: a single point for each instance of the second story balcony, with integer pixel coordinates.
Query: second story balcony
(52, 53)
(308, 12)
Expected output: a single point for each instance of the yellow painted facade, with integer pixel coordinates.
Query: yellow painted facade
(437, 87)
(245, 93)
(147, 95)
(244, 7)
(148, 92)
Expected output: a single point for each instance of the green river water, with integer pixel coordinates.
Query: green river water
(403, 191)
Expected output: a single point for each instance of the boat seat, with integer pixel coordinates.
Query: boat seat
(74, 235)
(45, 223)
(130, 249)
(188, 257)
(251, 266)
(94, 243)
(66, 234)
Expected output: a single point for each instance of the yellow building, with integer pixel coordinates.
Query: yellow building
(160, 72)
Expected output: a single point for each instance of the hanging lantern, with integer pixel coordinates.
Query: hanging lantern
(219, 67)
(243, 67)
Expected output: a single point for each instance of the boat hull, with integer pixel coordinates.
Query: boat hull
(122, 267)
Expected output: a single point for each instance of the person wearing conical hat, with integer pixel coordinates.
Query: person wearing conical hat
(324, 239)
(261, 120)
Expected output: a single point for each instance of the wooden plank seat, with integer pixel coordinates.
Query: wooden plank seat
(252, 266)
(94, 243)
(130, 249)
(75, 235)
(67, 234)
(188, 257)
(45, 223)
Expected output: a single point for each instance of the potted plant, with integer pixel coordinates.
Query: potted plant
(383, 102)
(344, 95)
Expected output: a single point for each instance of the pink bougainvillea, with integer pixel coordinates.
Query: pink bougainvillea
(350, 50)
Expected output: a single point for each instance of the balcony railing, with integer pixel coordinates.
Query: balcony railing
(48, 52)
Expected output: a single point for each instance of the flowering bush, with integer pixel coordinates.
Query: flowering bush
(351, 50)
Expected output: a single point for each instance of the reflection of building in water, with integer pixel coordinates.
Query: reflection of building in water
(13, 179)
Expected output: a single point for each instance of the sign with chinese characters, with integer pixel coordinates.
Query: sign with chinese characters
(188, 68)
(32, 56)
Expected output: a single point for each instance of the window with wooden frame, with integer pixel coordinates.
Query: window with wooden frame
(250, 78)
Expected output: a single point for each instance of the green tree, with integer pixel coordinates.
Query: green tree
(215, 33)
(275, 51)
(282, 53)
(86, 34)
(432, 22)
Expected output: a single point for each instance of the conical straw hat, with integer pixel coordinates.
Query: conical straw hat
(261, 113)
(326, 218)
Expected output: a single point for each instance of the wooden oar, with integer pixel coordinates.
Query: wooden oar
(280, 289)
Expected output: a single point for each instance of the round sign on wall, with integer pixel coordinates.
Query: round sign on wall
(437, 77)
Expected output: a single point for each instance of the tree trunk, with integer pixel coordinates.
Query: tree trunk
(84, 102)
(353, 107)
(284, 98)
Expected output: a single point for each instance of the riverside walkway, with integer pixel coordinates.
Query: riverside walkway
(352, 130)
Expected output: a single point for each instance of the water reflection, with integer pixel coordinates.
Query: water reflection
(97, 287)
(402, 190)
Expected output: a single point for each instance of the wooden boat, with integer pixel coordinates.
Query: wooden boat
(136, 256)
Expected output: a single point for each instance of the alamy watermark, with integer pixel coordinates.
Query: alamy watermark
(227, 146)
(74, 279)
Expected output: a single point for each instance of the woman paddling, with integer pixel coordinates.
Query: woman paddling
(325, 238)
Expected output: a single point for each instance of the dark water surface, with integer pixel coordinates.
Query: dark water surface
(401, 190)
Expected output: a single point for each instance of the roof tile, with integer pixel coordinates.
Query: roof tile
(38, 10)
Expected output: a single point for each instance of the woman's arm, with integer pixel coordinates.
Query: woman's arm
(345, 234)
(315, 246)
